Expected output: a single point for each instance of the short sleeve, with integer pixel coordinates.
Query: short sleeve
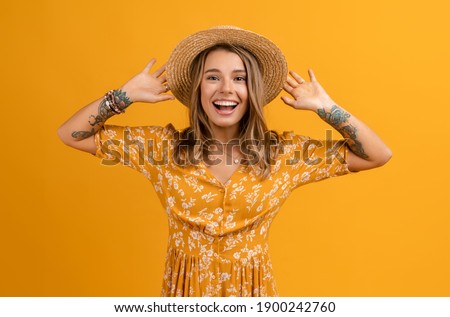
(309, 160)
(140, 148)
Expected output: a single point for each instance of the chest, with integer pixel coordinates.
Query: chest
(222, 172)
(195, 194)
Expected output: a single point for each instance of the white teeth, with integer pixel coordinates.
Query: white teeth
(225, 103)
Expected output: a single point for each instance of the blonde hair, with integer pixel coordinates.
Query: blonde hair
(189, 144)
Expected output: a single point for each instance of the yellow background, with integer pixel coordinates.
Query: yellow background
(72, 227)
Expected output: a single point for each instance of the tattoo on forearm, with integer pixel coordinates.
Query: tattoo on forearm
(104, 112)
(80, 135)
(349, 131)
(337, 118)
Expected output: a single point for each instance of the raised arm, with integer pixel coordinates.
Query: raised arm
(78, 131)
(367, 149)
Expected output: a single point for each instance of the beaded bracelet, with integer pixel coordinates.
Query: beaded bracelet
(110, 102)
(117, 101)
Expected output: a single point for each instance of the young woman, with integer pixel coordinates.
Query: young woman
(223, 179)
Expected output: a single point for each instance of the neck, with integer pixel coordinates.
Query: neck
(224, 135)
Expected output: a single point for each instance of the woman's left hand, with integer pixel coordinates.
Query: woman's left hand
(307, 95)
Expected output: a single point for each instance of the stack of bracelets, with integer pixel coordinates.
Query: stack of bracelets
(117, 101)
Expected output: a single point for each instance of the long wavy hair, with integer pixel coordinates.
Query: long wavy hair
(259, 145)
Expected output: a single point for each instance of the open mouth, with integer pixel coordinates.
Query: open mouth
(226, 106)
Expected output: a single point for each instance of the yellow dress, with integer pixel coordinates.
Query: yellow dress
(218, 233)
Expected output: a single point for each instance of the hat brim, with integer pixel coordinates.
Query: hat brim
(270, 57)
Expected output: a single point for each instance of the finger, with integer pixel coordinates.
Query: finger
(311, 75)
(149, 66)
(163, 79)
(288, 88)
(292, 82)
(164, 97)
(165, 88)
(160, 70)
(288, 101)
(297, 77)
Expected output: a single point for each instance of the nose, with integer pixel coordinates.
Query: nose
(226, 86)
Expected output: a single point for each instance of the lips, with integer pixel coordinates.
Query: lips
(225, 107)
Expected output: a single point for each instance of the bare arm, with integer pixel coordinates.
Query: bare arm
(79, 130)
(367, 149)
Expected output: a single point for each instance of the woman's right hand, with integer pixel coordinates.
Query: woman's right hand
(147, 86)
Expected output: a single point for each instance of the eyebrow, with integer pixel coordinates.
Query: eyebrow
(215, 70)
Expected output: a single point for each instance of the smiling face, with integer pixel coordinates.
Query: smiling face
(224, 93)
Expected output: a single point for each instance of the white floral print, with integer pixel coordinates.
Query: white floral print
(217, 244)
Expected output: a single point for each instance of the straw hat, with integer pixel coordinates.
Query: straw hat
(270, 57)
